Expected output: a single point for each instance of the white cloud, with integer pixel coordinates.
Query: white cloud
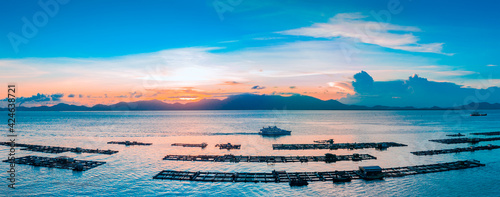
(305, 63)
(415, 91)
(491, 65)
(352, 25)
(229, 41)
(12, 69)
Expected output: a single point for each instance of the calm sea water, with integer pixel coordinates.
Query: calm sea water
(130, 172)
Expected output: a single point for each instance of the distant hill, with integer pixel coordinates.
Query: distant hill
(479, 106)
(244, 102)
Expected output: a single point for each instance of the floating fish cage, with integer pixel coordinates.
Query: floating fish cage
(202, 145)
(57, 149)
(58, 162)
(455, 150)
(487, 133)
(228, 146)
(131, 143)
(380, 145)
(283, 176)
(269, 159)
(455, 135)
(464, 140)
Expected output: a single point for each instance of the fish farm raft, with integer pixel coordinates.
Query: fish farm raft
(228, 146)
(57, 150)
(455, 135)
(269, 159)
(488, 133)
(464, 140)
(455, 150)
(380, 145)
(202, 145)
(129, 143)
(283, 176)
(58, 162)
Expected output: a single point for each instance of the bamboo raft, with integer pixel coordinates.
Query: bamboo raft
(283, 176)
(464, 140)
(129, 143)
(380, 145)
(58, 162)
(455, 150)
(487, 133)
(267, 159)
(57, 149)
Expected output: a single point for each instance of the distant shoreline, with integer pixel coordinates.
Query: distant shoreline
(246, 102)
(443, 109)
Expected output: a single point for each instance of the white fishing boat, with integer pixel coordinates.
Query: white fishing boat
(273, 131)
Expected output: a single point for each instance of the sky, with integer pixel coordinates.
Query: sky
(387, 52)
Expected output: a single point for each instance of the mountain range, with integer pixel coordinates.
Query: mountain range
(245, 102)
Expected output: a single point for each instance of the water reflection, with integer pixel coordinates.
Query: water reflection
(130, 171)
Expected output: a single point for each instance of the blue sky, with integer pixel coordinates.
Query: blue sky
(442, 41)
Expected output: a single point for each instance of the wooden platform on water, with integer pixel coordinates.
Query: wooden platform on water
(380, 145)
(283, 176)
(487, 133)
(266, 159)
(58, 162)
(464, 140)
(131, 143)
(455, 150)
(57, 149)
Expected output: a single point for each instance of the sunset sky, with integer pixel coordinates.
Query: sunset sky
(91, 52)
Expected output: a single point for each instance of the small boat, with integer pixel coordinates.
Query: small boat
(455, 135)
(273, 131)
(356, 157)
(298, 182)
(477, 114)
(340, 178)
(371, 172)
(382, 146)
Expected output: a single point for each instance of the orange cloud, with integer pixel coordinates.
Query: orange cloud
(231, 83)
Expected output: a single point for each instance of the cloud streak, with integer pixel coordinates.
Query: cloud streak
(354, 26)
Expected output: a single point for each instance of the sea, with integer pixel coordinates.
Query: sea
(130, 172)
